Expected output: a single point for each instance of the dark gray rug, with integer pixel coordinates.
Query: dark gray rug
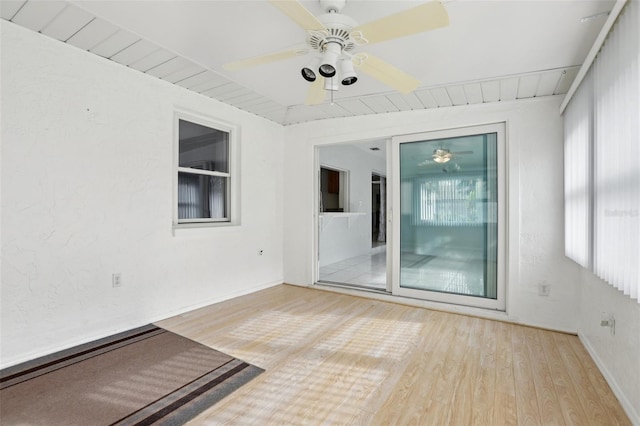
(141, 377)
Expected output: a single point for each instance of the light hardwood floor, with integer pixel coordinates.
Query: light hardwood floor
(338, 359)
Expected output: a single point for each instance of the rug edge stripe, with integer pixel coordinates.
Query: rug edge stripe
(207, 400)
(61, 359)
(177, 406)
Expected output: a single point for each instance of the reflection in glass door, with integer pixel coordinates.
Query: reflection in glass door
(449, 233)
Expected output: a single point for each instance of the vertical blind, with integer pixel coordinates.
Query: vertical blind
(602, 161)
(442, 200)
(201, 196)
(577, 174)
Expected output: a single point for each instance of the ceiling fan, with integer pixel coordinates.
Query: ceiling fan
(442, 155)
(333, 38)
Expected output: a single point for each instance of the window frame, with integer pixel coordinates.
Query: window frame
(232, 197)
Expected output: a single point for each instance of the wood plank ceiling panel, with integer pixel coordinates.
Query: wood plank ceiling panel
(412, 100)
(168, 67)
(184, 73)
(94, 33)
(71, 20)
(230, 91)
(426, 98)
(548, 82)
(528, 86)
(202, 81)
(509, 89)
(35, 15)
(115, 43)
(398, 100)
(457, 95)
(277, 115)
(301, 113)
(254, 105)
(441, 96)
(379, 104)
(264, 107)
(474, 93)
(138, 50)
(491, 90)
(355, 107)
(225, 90)
(333, 111)
(566, 79)
(9, 8)
(160, 56)
(248, 99)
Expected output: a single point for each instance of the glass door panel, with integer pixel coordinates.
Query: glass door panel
(448, 228)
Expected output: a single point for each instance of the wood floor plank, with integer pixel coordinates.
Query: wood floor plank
(338, 359)
(587, 396)
(416, 386)
(463, 394)
(505, 410)
(526, 400)
(453, 370)
(572, 411)
(600, 385)
(484, 389)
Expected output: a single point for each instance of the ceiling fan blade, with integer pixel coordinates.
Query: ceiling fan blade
(462, 152)
(316, 94)
(261, 60)
(387, 74)
(298, 14)
(425, 17)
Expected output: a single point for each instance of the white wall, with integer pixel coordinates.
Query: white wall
(342, 238)
(535, 197)
(87, 178)
(617, 355)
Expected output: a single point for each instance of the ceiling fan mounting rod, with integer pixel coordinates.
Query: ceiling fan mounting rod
(332, 5)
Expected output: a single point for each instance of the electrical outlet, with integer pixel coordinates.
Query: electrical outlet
(116, 279)
(607, 320)
(544, 288)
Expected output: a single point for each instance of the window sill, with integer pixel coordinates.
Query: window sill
(201, 229)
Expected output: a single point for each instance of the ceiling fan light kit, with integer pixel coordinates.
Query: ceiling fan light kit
(308, 72)
(332, 52)
(347, 73)
(441, 155)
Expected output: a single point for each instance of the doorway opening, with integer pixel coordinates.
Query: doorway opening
(351, 228)
(378, 211)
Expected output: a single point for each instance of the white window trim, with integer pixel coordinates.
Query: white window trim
(233, 175)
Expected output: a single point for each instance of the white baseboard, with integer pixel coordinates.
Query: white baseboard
(102, 334)
(208, 302)
(634, 415)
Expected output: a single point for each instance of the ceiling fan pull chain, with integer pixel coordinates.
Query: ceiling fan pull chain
(332, 92)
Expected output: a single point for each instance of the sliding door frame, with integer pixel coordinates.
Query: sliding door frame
(394, 153)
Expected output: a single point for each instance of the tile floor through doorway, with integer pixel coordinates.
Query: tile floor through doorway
(454, 272)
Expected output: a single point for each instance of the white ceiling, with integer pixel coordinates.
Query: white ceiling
(491, 51)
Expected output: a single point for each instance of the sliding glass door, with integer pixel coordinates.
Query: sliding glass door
(449, 221)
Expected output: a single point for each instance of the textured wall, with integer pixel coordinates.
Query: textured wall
(534, 174)
(87, 188)
(617, 355)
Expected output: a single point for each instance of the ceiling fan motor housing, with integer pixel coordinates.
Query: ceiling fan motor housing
(338, 30)
(333, 40)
